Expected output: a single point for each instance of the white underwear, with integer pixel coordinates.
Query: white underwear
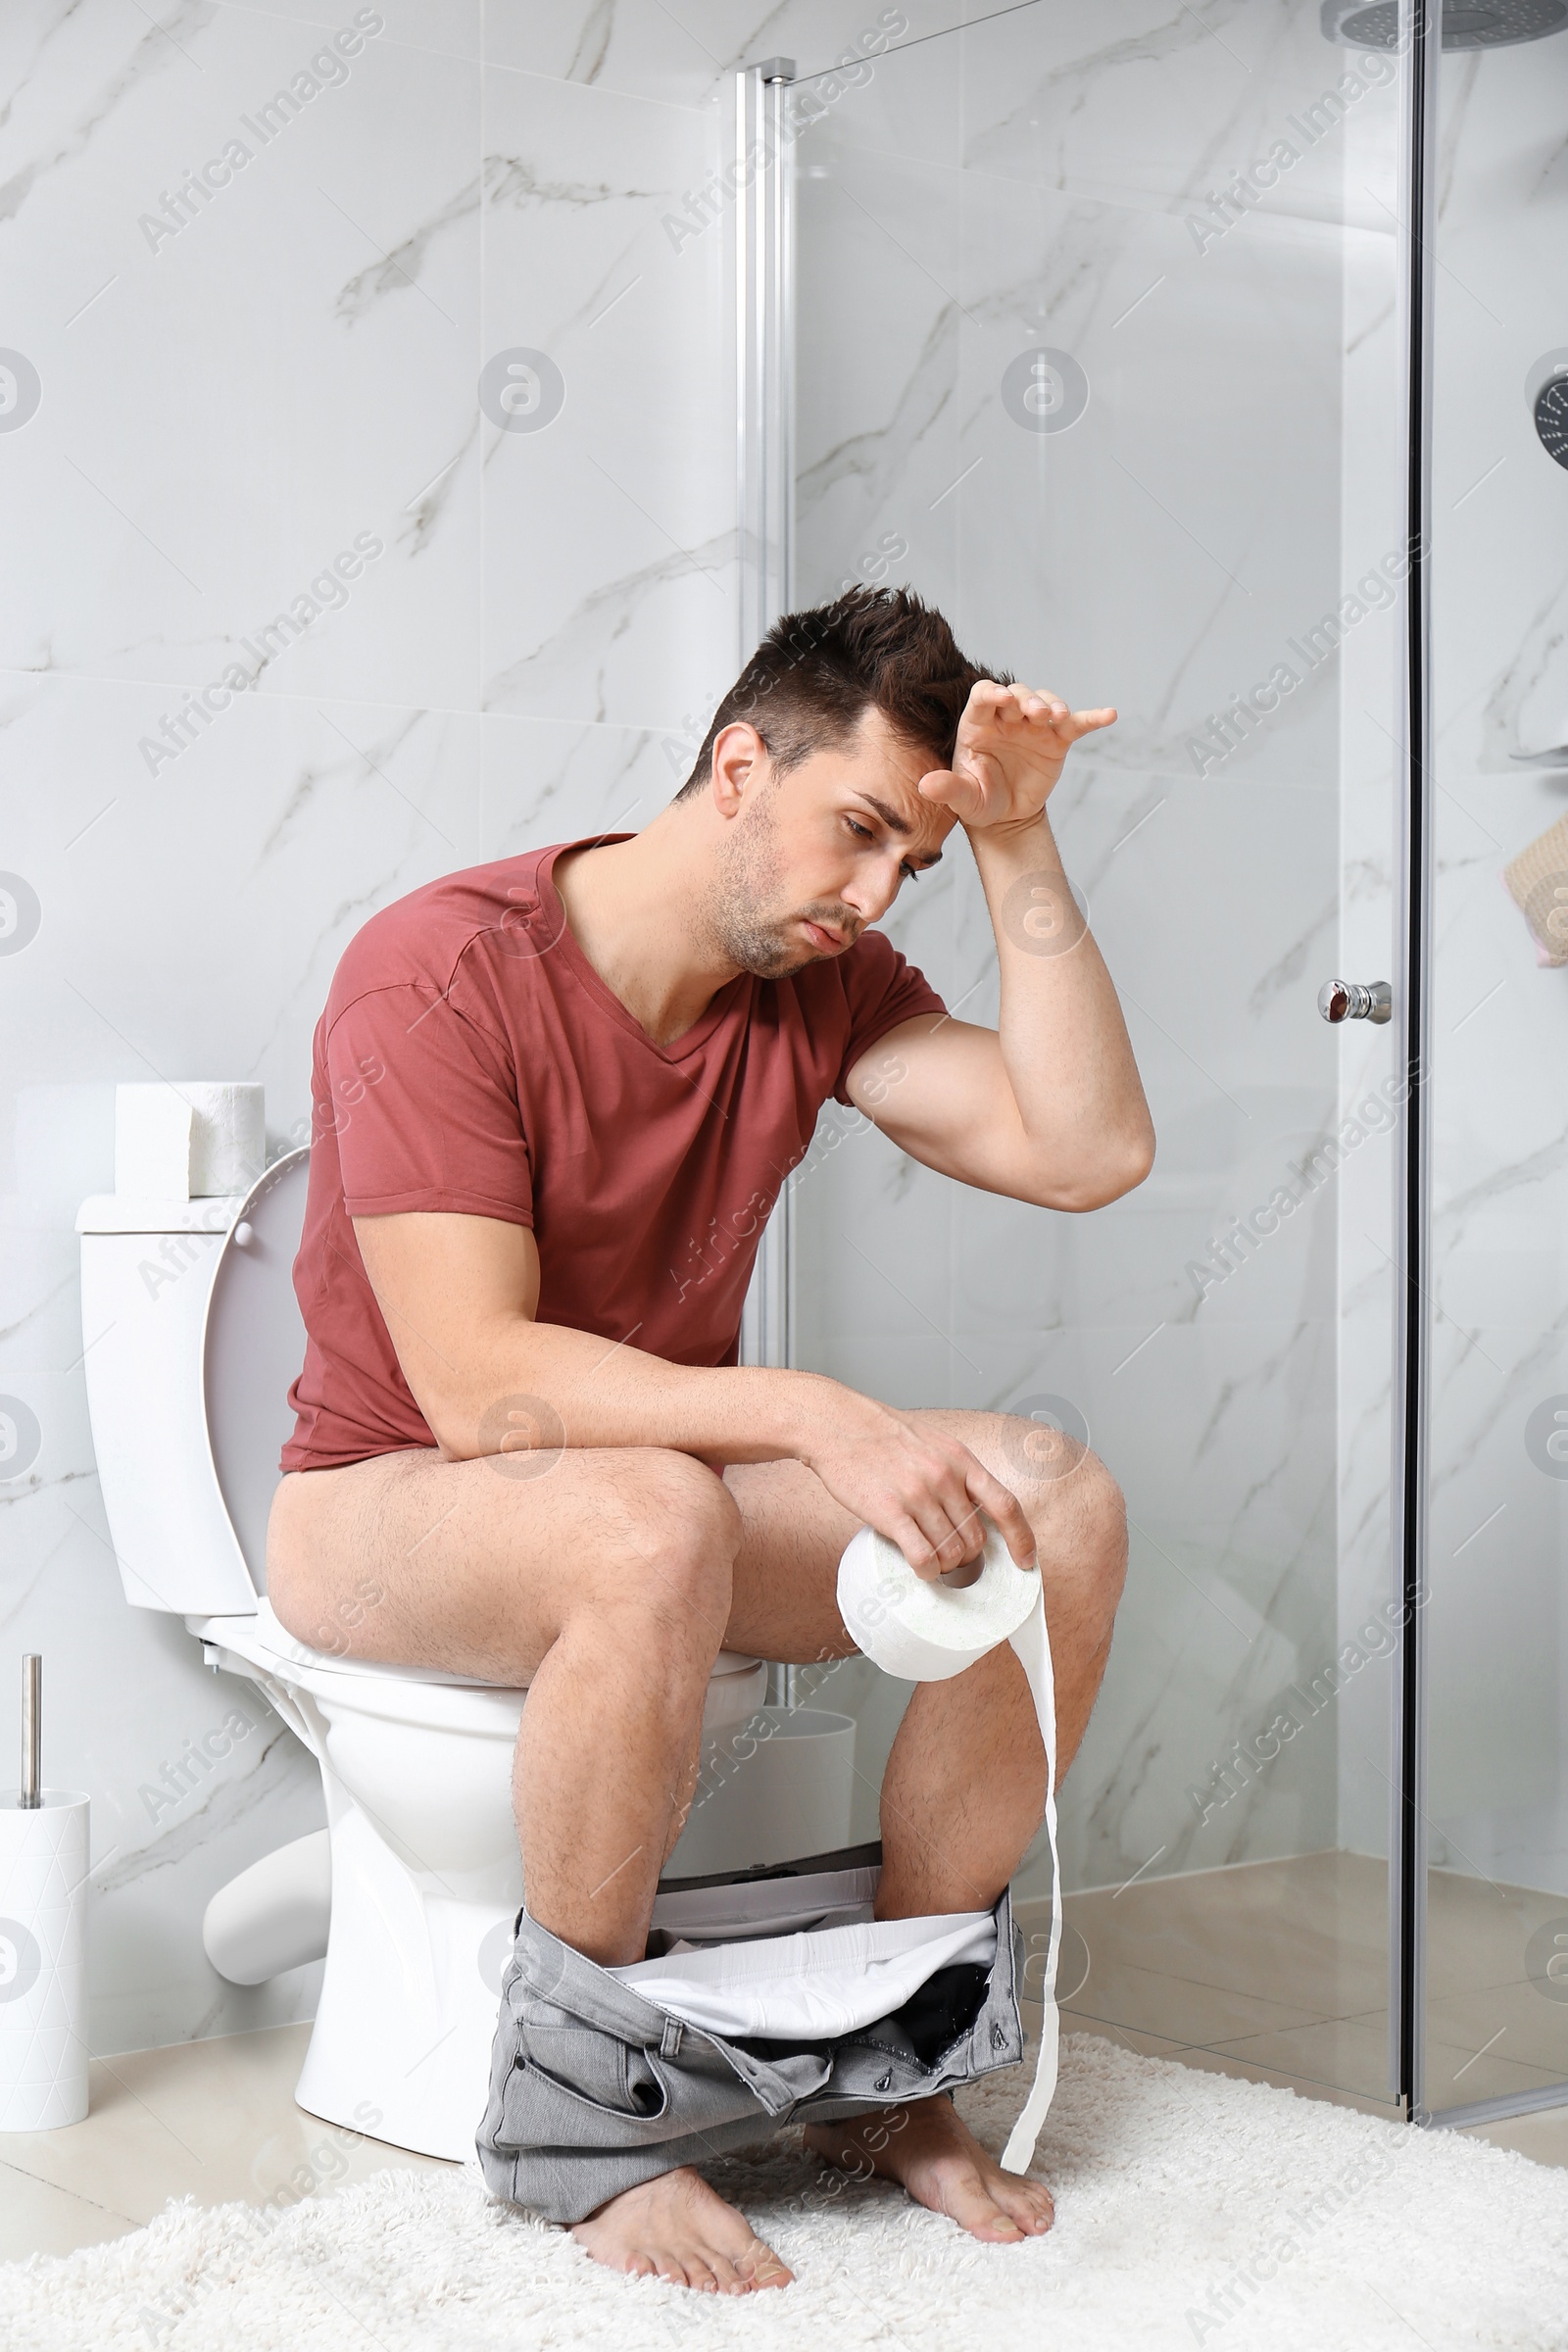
(811, 1986)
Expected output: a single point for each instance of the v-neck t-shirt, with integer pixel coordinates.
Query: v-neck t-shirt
(470, 1061)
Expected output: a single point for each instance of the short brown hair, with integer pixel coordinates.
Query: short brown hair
(817, 673)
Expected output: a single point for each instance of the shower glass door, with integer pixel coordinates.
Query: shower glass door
(1097, 344)
(1497, 1634)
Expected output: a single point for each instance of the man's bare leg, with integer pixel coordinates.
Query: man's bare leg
(962, 1794)
(622, 1560)
(604, 1585)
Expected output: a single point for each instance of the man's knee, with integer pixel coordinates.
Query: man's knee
(677, 1529)
(1071, 1501)
(1100, 1513)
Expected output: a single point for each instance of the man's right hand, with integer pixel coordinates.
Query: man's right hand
(924, 1490)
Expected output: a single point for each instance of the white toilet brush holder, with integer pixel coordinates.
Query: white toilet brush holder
(43, 1942)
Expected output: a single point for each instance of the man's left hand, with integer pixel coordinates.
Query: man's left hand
(1012, 742)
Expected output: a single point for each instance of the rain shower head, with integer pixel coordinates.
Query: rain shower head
(1497, 25)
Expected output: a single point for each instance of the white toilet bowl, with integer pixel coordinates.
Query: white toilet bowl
(192, 1336)
(426, 1877)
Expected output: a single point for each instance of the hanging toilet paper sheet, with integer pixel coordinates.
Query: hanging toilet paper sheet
(927, 1632)
(188, 1138)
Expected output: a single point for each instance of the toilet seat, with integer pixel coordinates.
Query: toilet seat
(262, 1640)
(261, 1637)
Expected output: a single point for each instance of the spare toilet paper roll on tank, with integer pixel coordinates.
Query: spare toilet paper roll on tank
(925, 1631)
(184, 1139)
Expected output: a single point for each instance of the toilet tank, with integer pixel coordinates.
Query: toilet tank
(191, 1336)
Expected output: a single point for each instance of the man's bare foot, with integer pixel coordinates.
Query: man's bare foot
(677, 2228)
(928, 2146)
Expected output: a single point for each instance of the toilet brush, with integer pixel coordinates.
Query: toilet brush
(43, 1938)
(32, 1730)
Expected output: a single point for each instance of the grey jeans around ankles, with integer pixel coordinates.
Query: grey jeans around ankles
(594, 2088)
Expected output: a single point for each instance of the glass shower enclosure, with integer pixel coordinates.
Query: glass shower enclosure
(1199, 361)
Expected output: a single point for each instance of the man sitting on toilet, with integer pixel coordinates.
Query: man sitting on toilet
(554, 1101)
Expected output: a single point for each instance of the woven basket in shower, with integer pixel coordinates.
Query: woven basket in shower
(1538, 879)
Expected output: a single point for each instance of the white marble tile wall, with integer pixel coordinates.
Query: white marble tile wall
(228, 400)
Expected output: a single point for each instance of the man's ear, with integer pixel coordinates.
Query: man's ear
(740, 764)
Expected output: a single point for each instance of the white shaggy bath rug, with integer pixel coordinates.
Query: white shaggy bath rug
(1190, 2210)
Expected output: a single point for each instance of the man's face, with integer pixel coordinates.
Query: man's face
(812, 857)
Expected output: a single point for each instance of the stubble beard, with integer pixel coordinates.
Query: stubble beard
(740, 911)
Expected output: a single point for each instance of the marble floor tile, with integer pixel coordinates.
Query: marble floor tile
(1516, 2020)
(211, 2120)
(1251, 2070)
(1543, 2138)
(1352, 2054)
(1177, 2009)
(36, 2218)
(1309, 1933)
(1478, 1931)
(1147, 2046)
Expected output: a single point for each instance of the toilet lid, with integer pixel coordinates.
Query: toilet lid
(253, 1345)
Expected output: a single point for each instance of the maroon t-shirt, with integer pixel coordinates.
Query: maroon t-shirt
(470, 1059)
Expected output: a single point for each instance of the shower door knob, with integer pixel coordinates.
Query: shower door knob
(1350, 1000)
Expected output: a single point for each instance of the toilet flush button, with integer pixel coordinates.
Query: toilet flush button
(244, 1235)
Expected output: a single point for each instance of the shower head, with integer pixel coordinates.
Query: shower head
(1499, 25)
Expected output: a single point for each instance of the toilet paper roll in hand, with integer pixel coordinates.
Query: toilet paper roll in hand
(925, 1631)
(187, 1138)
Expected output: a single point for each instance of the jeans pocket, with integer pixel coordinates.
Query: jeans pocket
(592, 2065)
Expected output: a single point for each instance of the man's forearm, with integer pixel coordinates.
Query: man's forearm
(527, 1385)
(1064, 1043)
